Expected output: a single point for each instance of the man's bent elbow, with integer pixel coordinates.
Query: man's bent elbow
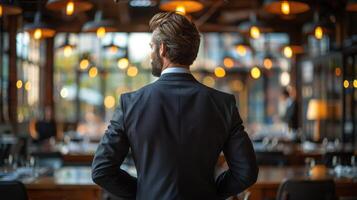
(253, 176)
(97, 178)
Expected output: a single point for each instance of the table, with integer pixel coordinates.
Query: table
(270, 178)
(72, 183)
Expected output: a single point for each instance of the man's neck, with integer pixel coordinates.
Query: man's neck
(170, 65)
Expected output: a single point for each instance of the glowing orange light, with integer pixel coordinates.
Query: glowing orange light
(228, 62)
(219, 72)
(101, 32)
(181, 10)
(285, 7)
(132, 71)
(268, 63)
(37, 34)
(241, 50)
(338, 71)
(346, 84)
(255, 72)
(254, 32)
(319, 33)
(70, 8)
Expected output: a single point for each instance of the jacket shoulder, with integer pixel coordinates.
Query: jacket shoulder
(217, 93)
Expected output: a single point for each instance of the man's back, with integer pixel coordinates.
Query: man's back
(176, 129)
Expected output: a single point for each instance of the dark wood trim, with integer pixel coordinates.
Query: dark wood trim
(12, 90)
(48, 100)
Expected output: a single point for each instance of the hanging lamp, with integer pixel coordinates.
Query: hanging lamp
(8, 8)
(286, 7)
(39, 29)
(69, 7)
(253, 27)
(317, 28)
(99, 25)
(181, 6)
(67, 46)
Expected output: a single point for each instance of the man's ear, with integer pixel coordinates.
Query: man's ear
(162, 50)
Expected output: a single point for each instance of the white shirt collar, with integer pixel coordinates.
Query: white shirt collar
(180, 70)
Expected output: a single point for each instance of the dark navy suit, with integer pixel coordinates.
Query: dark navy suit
(176, 129)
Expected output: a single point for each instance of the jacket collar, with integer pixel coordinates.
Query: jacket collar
(176, 77)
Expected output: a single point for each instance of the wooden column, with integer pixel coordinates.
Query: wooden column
(48, 73)
(12, 90)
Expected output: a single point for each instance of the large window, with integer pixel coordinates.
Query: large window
(90, 78)
(28, 77)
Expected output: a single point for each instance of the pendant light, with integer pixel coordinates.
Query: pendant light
(67, 47)
(113, 48)
(253, 27)
(69, 7)
(99, 25)
(7, 8)
(181, 6)
(39, 29)
(285, 7)
(316, 28)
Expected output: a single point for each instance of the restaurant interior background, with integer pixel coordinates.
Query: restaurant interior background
(64, 64)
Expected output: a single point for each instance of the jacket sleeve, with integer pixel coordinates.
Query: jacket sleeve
(239, 153)
(110, 154)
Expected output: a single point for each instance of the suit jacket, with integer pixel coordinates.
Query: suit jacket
(176, 129)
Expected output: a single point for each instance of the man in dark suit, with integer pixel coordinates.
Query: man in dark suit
(176, 128)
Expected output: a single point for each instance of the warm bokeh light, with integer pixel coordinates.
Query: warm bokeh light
(27, 86)
(346, 84)
(236, 85)
(209, 81)
(1, 11)
(285, 7)
(84, 64)
(67, 50)
(255, 72)
(132, 71)
(338, 71)
(113, 49)
(355, 83)
(123, 63)
(241, 50)
(101, 32)
(228, 62)
(93, 71)
(37, 34)
(285, 79)
(219, 72)
(109, 102)
(64, 92)
(319, 33)
(268, 63)
(254, 32)
(19, 84)
(288, 52)
(181, 10)
(70, 8)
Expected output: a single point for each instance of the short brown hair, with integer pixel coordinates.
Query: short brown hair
(179, 35)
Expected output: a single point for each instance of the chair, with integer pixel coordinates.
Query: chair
(12, 190)
(307, 190)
